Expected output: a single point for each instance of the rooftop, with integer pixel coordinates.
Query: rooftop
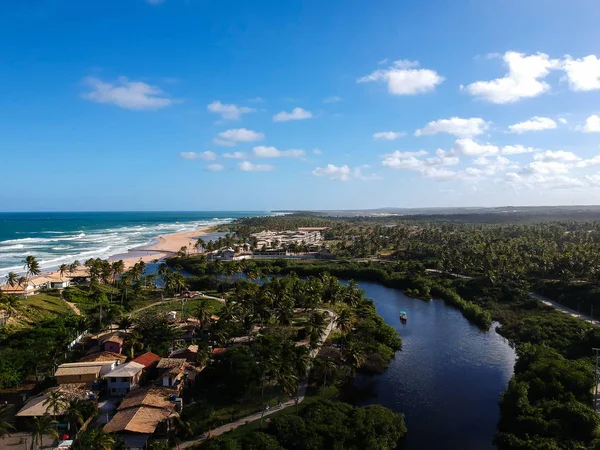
(127, 370)
(189, 348)
(147, 359)
(140, 419)
(170, 363)
(155, 396)
(36, 406)
(81, 370)
(104, 356)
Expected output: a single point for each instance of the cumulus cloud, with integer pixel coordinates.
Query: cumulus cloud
(206, 156)
(316, 151)
(247, 166)
(456, 126)
(536, 123)
(332, 99)
(517, 149)
(563, 120)
(405, 78)
(228, 112)
(592, 125)
(582, 74)
(359, 175)
(337, 173)
(556, 155)
(468, 147)
(433, 167)
(388, 135)
(214, 167)
(272, 152)
(524, 79)
(234, 155)
(230, 137)
(296, 114)
(126, 94)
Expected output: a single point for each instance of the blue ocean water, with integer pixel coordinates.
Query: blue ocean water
(61, 237)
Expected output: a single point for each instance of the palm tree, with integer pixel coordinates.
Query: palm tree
(326, 366)
(5, 427)
(33, 269)
(74, 412)
(344, 321)
(203, 312)
(94, 440)
(55, 402)
(62, 270)
(41, 426)
(136, 342)
(354, 356)
(12, 279)
(163, 270)
(200, 244)
(73, 266)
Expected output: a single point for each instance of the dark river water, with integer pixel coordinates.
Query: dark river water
(447, 378)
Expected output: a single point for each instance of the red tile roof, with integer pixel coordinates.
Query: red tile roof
(147, 359)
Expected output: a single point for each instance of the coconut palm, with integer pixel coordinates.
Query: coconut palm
(33, 268)
(55, 402)
(136, 342)
(40, 426)
(354, 356)
(73, 266)
(344, 321)
(200, 244)
(64, 268)
(5, 427)
(325, 367)
(94, 440)
(12, 279)
(203, 312)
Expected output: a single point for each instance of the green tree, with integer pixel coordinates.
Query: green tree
(94, 439)
(40, 426)
(5, 427)
(55, 402)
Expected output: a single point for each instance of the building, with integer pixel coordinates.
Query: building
(38, 406)
(190, 353)
(86, 372)
(278, 239)
(60, 284)
(172, 371)
(104, 356)
(124, 378)
(113, 343)
(143, 413)
(148, 359)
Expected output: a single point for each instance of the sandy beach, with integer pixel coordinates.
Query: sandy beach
(167, 245)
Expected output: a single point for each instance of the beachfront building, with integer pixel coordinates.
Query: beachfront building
(278, 239)
(124, 378)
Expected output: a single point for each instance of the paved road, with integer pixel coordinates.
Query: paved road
(256, 416)
(562, 308)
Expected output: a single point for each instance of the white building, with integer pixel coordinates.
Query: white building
(124, 378)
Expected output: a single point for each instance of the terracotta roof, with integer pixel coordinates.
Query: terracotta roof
(140, 419)
(154, 396)
(104, 356)
(218, 350)
(147, 359)
(114, 338)
(127, 370)
(169, 363)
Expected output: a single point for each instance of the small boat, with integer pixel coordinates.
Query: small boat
(403, 316)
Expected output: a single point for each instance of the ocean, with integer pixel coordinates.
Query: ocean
(62, 237)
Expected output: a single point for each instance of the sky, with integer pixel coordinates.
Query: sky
(262, 105)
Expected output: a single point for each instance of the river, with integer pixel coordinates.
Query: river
(448, 377)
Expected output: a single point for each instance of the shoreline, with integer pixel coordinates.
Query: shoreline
(167, 245)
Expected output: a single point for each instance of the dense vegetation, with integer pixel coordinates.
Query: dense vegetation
(324, 425)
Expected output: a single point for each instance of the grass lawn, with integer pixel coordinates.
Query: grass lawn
(189, 307)
(43, 306)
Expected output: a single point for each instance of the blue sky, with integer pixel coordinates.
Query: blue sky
(135, 104)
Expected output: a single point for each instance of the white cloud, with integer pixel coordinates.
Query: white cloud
(337, 173)
(547, 168)
(247, 166)
(272, 152)
(296, 114)
(214, 167)
(229, 112)
(127, 94)
(332, 99)
(583, 74)
(490, 166)
(205, 156)
(456, 126)
(443, 158)
(595, 161)
(155, 2)
(230, 137)
(563, 121)
(592, 125)
(388, 135)
(234, 155)
(537, 181)
(558, 155)
(316, 151)
(359, 175)
(468, 147)
(517, 149)
(403, 78)
(523, 80)
(536, 123)
(428, 167)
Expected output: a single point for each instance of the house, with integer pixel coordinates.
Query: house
(104, 356)
(124, 378)
(38, 406)
(112, 343)
(143, 413)
(60, 284)
(171, 370)
(83, 372)
(148, 359)
(190, 353)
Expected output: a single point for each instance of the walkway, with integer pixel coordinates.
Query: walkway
(546, 301)
(73, 307)
(256, 416)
